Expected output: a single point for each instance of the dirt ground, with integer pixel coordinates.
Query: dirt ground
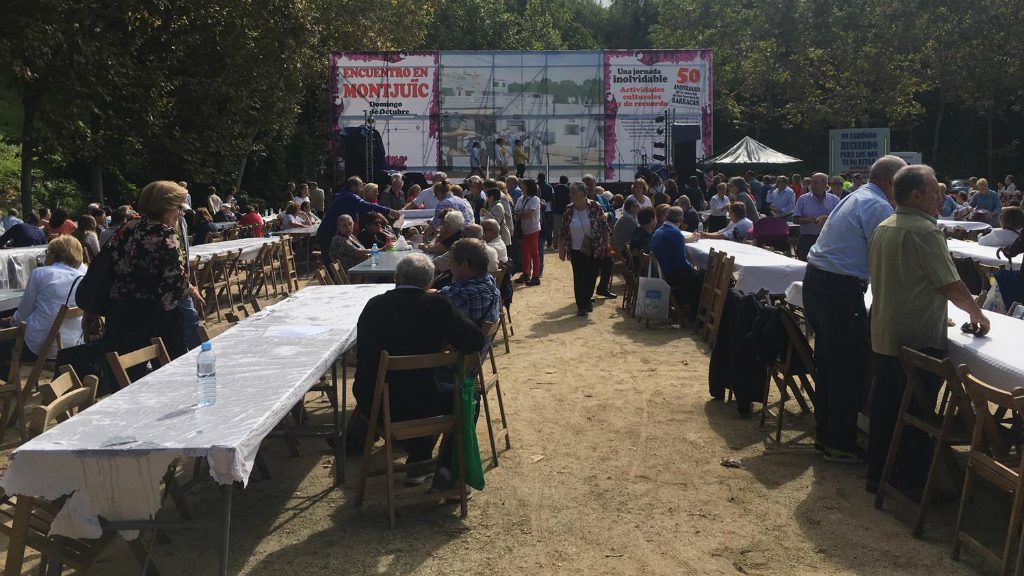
(615, 469)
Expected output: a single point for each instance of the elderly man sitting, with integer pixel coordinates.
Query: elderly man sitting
(626, 224)
(413, 394)
(443, 262)
(449, 233)
(492, 236)
(472, 289)
(669, 246)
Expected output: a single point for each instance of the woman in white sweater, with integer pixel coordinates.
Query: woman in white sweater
(1011, 221)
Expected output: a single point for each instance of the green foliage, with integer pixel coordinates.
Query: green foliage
(231, 92)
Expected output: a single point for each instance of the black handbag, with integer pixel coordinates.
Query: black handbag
(88, 358)
(93, 294)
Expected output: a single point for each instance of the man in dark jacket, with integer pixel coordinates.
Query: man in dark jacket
(429, 321)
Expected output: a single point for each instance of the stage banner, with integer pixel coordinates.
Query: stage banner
(398, 92)
(551, 102)
(573, 112)
(644, 91)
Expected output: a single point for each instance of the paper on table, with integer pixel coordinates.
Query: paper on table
(296, 331)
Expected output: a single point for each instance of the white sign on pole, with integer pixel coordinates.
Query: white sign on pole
(855, 150)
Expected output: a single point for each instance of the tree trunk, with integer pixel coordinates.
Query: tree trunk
(96, 178)
(30, 104)
(934, 160)
(241, 172)
(988, 121)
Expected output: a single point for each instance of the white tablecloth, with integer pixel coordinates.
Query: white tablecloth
(983, 254)
(250, 248)
(417, 213)
(17, 263)
(755, 268)
(111, 458)
(993, 358)
(310, 231)
(963, 225)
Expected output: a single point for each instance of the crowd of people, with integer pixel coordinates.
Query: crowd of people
(850, 231)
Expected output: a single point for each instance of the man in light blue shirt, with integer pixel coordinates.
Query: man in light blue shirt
(11, 220)
(782, 199)
(986, 199)
(833, 290)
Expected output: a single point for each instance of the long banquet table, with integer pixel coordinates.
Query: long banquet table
(17, 263)
(755, 268)
(250, 248)
(983, 254)
(990, 357)
(109, 460)
(385, 268)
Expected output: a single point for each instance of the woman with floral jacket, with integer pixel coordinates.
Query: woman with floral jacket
(584, 240)
(149, 274)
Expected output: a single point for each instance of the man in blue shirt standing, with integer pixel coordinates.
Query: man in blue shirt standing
(782, 199)
(346, 201)
(833, 290)
(669, 246)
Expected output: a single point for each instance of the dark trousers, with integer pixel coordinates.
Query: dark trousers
(325, 249)
(520, 170)
(584, 274)
(685, 286)
(803, 245)
(716, 223)
(834, 305)
(132, 324)
(605, 266)
(915, 452)
(6, 347)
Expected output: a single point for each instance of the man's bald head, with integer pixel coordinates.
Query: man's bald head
(885, 168)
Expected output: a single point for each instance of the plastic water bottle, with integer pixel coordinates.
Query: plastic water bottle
(700, 225)
(374, 255)
(206, 376)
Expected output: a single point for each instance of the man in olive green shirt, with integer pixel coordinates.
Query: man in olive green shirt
(912, 278)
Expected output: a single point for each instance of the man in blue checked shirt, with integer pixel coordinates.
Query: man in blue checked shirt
(472, 289)
(834, 286)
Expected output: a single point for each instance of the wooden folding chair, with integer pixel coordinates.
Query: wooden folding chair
(504, 314)
(707, 287)
(51, 343)
(797, 363)
(719, 292)
(155, 354)
(381, 425)
(11, 392)
(485, 384)
(949, 427)
(337, 271)
(323, 276)
(990, 458)
(62, 398)
(287, 258)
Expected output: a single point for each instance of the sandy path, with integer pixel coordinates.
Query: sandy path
(614, 470)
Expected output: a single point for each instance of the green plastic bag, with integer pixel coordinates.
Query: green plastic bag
(470, 447)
